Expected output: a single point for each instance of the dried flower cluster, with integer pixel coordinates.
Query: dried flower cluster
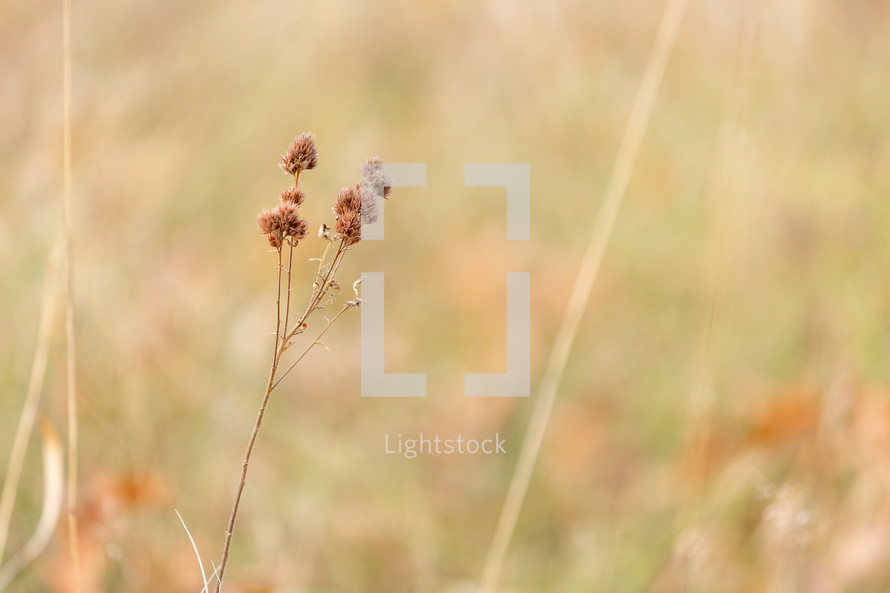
(348, 209)
(354, 205)
(301, 156)
(284, 227)
(293, 195)
(376, 185)
(283, 223)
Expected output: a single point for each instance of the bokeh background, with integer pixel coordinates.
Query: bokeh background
(723, 423)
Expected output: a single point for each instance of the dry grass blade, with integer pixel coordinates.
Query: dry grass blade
(723, 199)
(53, 491)
(627, 153)
(197, 553)
(32, 397)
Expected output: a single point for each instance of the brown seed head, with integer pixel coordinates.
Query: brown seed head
(294, 195)
(282, 223)
(293, 225)
(269, 221)
(349, 226)
(302, 155)
(349, 200)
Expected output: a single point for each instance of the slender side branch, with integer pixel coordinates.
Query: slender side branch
(584, 282)
(318, 294)
(314, 343)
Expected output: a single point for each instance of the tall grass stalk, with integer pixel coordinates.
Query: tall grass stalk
(568, 329)
(722, 200)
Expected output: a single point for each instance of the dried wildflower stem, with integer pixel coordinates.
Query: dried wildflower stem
(277, 308)
(284, 225)
(276, 357)
(237, 504)
(282, 343)
(290, 265)
(605, 222)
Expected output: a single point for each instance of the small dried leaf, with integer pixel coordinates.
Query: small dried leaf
(53, 491)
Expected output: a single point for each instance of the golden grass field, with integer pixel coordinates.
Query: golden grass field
(723, 423)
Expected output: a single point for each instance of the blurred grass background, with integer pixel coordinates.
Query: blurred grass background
(180, 113)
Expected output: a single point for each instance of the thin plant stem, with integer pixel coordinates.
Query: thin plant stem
(278, 307)
(318, 295)
(282, 343)
(276, 356)
(253, 435)
(314, 343)
(315, 285)
(290, 265)
(605, 222)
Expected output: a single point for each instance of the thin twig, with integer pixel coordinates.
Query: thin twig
(314, 343)
(317, 295)
(584, 282)
(321, 261)
(277, 308)
(236, 505)
(290, 265)
(276, 356)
